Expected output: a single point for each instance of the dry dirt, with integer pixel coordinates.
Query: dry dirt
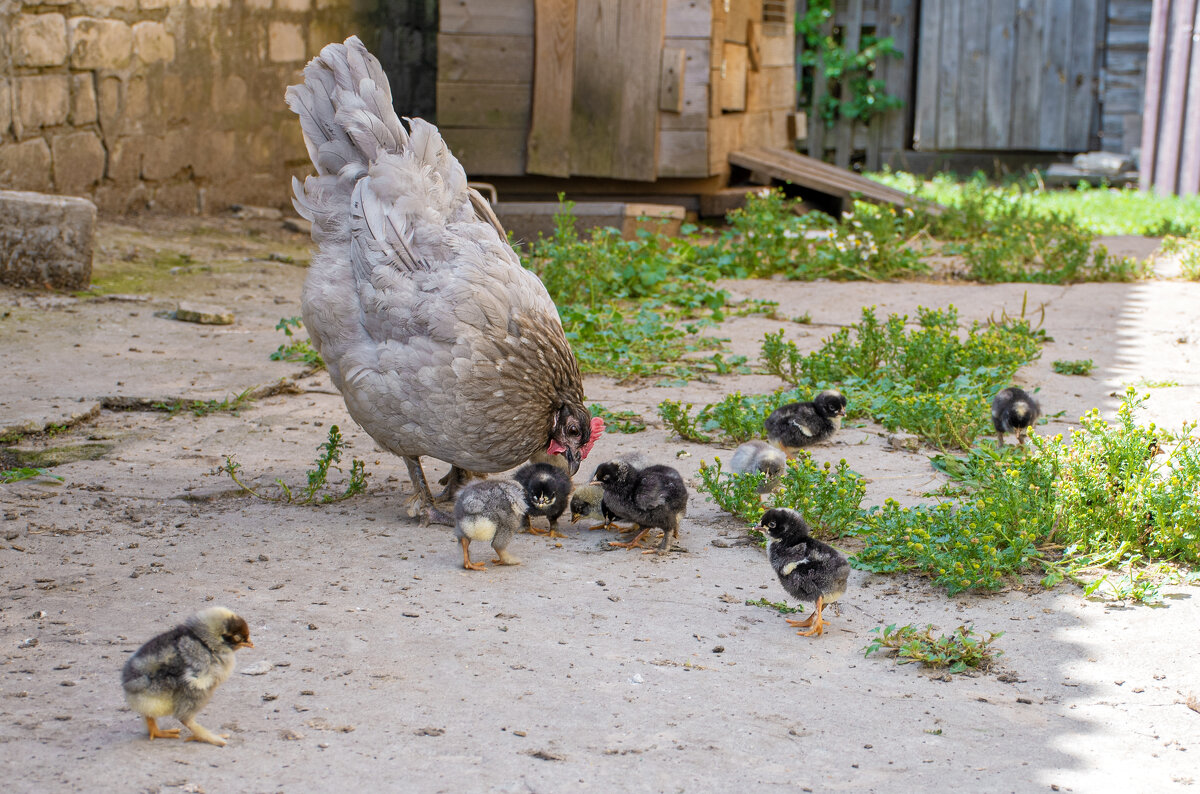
(382, 662)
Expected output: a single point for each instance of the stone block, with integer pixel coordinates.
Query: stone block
(104, 8)
(209, 3)
(293, 5)
(46, 241)
(43, 100)
(177, 197)
(203, 313)
(39, 40)
(125, 159)
(5, 107)
(83, 100)
(99, 43)
(25, 165)
(258, 5)
(120, 199)
(108, 100)
(285, 42)
(152, 42)
(79, 160)
(164, 156)
(153, 5)
(216, 155)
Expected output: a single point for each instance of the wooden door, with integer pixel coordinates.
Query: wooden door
(596, 88)
(1008, 75)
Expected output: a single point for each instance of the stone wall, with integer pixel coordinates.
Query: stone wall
(171, 105)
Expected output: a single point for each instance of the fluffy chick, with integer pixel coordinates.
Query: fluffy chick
(797, 425)
(758, 456)
(808, 569)
(489, 511)
(547, 489)
(587, 501)
(1013, 410)
(653, 497)
(175, 673)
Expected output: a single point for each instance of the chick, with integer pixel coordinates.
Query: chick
(587, 501)
(175, 673)
(808, 569)
(796, 425)
(759, 456)
(1014, 410)
(651, 497)
(490, 511)
(547, 489)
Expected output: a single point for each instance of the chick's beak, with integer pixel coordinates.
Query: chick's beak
(245, 644)
(574, 516)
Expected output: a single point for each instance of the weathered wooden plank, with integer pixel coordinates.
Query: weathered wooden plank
(998, 102)
(776, 47)
(694, 115)
(948, 76)
(1170, 133)
(490, 105)
(724, 136)
(635, 143)
(1136, 12)
(1027, 89)
(597, 89)
(732, 87)
(897, 20)
(1153, 96)
(485, 59)
(487, 17)
(972, 77)
(696, 52)
(817, 130)
(670, 79)
(737, 21)
(1189, 160)
(810, 172)
(688, 18)
(852, 36)
(487, 152)
(1056, 52)
(770, 89)
(926, 117)
(549, 145)
(682, 153)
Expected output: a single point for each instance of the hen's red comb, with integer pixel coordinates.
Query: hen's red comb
(597, 431)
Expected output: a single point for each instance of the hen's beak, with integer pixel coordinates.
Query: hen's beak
(572, 460)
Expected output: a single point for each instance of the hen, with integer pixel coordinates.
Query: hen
(441, 343)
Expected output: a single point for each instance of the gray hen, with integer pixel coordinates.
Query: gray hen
(492, 512)
(437, 338)
(175, 673)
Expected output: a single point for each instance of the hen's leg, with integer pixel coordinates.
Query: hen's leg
(160, 733)
(455, 479)
(422, 501)
(202, 734)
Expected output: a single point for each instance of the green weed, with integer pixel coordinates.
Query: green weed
(778, 606)
(956, 652)
(619, 421)
(310, 493)
(298, 349)
(231, 404)
(25, 473)
(1188, 252)
(1079, 366)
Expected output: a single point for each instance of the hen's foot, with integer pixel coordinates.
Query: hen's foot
(454, 480)
(156, 732)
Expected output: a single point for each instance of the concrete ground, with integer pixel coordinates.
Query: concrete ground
(379, 661)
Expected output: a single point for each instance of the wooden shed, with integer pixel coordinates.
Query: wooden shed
(633, 90)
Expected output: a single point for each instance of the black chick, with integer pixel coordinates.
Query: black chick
(808, 569)
(653, 497)
(796, 425)
(1014, 410)
(546, 490)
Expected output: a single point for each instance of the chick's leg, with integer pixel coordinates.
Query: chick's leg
(422, 501)
(470, 566)
(636, 543)
(202, 734)
(818, 625)
(504, 558)
(156, 732)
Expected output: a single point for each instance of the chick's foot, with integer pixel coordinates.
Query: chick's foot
(636, 543)
(470, 566)
(202, 734)
(156, 732)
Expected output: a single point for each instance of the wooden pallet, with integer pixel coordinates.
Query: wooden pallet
(821, 177)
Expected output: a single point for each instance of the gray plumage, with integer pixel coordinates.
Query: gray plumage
(489, 511)
(441, 343)
(547, 489)
(759, 457)
(808, 569)
(798, 425)
(175, 673)
(650, 497)
(1013, 410)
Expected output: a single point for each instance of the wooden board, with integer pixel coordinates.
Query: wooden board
(694, 115)
(487, 152)
(487, 17)
(548, 147)
(494, 106)
(771, 88)
(817, 175)
(683, 153)
(731, 89)
(688, 18)
(1001, 71)
(670, 79)
(485, 59)
(972, 75)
